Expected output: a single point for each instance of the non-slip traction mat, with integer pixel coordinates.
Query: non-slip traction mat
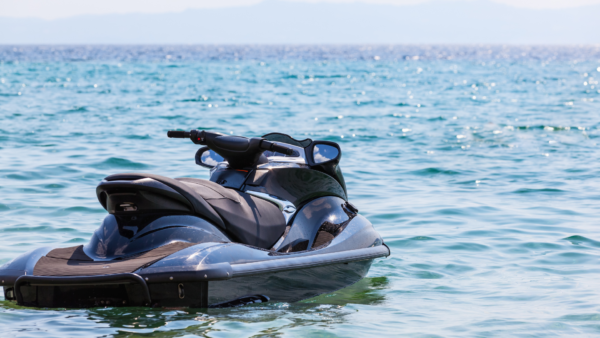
(74, 262)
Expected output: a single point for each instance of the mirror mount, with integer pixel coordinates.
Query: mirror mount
(328, 166)
(315, 157)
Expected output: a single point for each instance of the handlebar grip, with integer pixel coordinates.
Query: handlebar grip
(178, 134)
(266, 145)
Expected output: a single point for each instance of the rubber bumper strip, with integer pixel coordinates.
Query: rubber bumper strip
(309, 261)
(82, 280)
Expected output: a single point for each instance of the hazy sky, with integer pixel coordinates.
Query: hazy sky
(54, 9)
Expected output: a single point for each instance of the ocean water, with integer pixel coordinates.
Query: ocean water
(479, 166)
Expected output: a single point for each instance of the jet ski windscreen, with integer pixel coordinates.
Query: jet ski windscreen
(283, 138)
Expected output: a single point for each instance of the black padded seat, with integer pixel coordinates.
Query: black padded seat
(198, 204)
(249, 219)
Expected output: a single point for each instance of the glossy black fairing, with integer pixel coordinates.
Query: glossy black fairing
(327, 161)
(290, 286)
(297, 185)
(118, 237)
(313, 217)
(229, 178)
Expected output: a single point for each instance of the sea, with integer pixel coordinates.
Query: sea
(479, 165)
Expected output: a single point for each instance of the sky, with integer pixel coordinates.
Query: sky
(299, 21)
(57, 9)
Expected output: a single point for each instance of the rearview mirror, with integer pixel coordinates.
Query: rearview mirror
(208, 158)
(324, 152)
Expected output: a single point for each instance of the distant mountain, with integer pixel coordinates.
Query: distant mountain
(278, 22)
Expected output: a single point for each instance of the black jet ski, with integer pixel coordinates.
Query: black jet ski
(273, 223)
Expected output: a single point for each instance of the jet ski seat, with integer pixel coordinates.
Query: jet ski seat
(246, 218)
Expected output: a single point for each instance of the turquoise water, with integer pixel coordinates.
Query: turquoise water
(478, 165)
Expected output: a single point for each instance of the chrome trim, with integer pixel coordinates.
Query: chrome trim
(288, 209)
(283, 159)
(275, 165)
(278, 244)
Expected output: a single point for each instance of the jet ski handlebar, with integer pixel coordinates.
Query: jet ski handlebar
(266, 145)
(178, 134)
(239, 151)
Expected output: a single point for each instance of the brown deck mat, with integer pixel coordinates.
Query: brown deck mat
(74, 262)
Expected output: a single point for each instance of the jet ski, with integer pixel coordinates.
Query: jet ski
(273, 223)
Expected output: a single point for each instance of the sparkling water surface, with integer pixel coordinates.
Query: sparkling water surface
(479, 166)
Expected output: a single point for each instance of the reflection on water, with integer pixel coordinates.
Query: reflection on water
(267, 318)
(368, 291)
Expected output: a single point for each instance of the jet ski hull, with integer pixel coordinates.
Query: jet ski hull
(209, 286)
(204, 275)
